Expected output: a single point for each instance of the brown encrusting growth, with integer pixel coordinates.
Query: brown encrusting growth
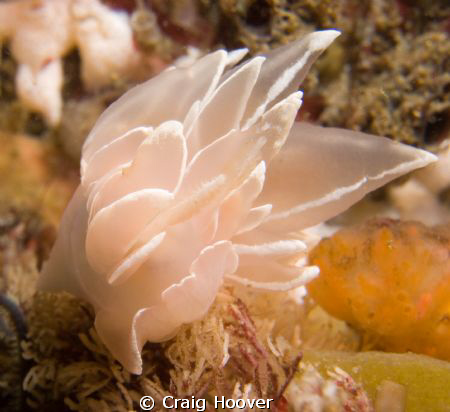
(387, 74)
(401, 92)
(261, 25)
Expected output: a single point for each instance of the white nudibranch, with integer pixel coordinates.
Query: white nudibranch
(199, 176)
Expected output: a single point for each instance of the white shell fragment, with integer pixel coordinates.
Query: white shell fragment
(200, 175)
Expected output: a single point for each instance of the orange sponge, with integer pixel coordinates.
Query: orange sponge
(391, 280)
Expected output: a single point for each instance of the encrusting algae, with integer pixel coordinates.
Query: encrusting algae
(391, 280)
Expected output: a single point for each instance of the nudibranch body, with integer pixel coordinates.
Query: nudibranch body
(201, 175)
